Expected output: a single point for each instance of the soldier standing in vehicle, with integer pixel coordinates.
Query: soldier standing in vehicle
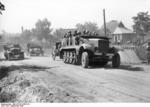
(69, 38)
(64, 40)
(148, 53)
(75, 37)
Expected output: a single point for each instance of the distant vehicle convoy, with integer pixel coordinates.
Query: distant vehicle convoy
(75, 48)
(13, 52)
(84, 49)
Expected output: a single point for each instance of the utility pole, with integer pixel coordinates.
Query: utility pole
(104, 22)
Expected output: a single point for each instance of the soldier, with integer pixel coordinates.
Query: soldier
(148, 53)
(69, 38)
(90, 34)
(84, 32)
(75, 33)
(94, 33)
(78, 33)
(77, 38)
(87, 32)
(64, 40)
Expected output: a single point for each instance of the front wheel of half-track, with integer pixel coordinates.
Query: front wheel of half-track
(85, 60)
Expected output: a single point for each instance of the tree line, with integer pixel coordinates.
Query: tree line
(44, 34)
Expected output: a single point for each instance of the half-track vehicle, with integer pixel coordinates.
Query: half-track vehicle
(35, 50)
(56, 50)
(13, 52)
(86, 49)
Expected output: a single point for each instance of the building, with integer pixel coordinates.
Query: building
(122, 35)
(118, 33)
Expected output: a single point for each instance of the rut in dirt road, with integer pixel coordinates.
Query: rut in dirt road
(40, 79)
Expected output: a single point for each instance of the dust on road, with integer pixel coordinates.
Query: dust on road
(40, 79)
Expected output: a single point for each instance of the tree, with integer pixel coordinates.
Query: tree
(90, 26)
(26, 36)
(2, 7)
(42, 29)
(141, 23)
(59, 33)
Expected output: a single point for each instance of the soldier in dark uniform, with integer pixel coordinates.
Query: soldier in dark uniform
(87, 33)
(69, 38)
(148, 53)
(84, 32)
(75, 33)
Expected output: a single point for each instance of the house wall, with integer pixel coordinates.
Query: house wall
(127, 37)
(122, 38)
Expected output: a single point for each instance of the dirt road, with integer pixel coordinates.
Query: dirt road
(40, 79)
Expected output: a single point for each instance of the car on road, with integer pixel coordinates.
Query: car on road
(13, 52)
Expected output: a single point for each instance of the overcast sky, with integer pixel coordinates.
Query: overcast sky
(67, 13)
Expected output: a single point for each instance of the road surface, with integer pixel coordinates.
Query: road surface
(40, 79)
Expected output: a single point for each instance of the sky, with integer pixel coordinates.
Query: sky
(67, 13)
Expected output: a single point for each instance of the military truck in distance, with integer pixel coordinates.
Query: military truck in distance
(35, 49)
(13, 52)
(84, 50)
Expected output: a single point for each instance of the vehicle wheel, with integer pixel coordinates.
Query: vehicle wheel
(116, 61)
(74, 59)
(85, 60)
(67, 57)
(64, 57)
(8, 57)
(22, 56)
(70, 58)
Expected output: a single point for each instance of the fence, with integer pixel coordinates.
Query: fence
(139, 50)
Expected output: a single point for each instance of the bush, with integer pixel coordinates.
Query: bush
(141, 52)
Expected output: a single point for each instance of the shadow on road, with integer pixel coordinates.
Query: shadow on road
(15, 59)
(31, 68)
(131, 68)
(122, 67)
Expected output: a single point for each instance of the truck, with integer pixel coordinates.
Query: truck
(86, 49)
(13, 51)
(35, 49)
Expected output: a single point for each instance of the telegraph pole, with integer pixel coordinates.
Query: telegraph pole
(104, 22)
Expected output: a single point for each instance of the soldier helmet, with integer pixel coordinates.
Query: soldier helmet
(78, 32)
(87, 32)
(75, 33)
